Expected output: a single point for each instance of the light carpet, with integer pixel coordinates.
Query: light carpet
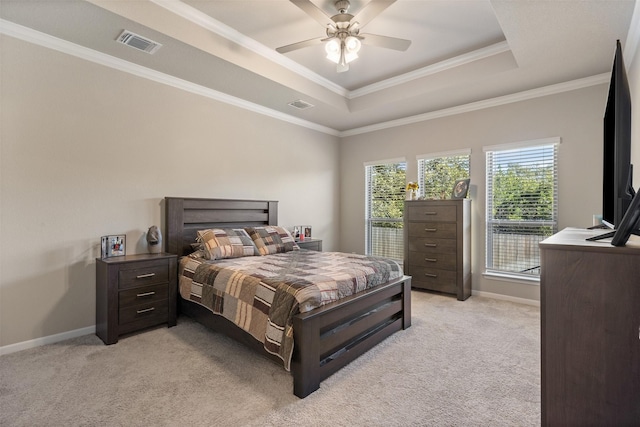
(471, 363)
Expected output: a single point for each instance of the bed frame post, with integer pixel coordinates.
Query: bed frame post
(406, 302)
(306, 367)
(175, 225)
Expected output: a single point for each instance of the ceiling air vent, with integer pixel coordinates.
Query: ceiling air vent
(138, 42)
(300, 104)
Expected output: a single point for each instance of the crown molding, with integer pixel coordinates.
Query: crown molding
(199, 18)
(432, 69)
(481, 105)
(45, 40)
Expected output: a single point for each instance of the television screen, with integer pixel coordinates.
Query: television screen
(617, 189)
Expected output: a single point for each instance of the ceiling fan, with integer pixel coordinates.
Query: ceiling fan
(343, 38)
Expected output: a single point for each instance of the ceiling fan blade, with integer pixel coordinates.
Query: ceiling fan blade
(386, 42)
(371, 10)
(300, 45)
(313, 11)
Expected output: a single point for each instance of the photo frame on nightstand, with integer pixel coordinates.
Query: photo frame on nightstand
(305, 230)
(114, 245)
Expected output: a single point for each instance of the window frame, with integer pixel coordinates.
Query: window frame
(369, 219)
(491, 221)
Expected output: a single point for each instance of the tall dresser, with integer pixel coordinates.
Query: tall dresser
(437, 250)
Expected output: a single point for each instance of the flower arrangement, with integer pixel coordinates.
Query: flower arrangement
(413, 186)
(412, 190)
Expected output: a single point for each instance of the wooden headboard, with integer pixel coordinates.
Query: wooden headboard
(185, 216)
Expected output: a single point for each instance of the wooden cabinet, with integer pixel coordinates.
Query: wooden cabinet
(311, 244)
(134, 292)
(590, 331)
(437, 254)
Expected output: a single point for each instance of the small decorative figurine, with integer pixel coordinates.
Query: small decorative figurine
(154, 240)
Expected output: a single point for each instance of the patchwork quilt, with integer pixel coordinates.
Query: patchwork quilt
(261, 294)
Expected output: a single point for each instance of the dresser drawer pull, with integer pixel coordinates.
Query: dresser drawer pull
(431, 259)
(144, 276)
(146, 310)
(146, 294)
(431, 245)
(431, 213)
(432, 230)
(431, 275)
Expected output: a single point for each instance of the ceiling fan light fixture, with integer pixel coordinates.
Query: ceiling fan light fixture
(333, 48)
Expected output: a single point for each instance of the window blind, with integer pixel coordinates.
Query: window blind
(437, 175)
(385, 194)
(522, 206)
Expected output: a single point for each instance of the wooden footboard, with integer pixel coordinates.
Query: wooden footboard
(330, 337)
(326, 338)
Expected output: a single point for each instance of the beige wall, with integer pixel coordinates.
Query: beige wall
(575, 116)
(88, 151)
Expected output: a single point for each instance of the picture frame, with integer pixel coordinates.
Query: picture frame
(113, 245)
(460, 189)
(306, 231)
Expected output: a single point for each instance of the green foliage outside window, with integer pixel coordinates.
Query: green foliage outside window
(440, 175)
(387, 193)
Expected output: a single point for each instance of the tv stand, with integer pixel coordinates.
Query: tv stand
(608, 235)
(589, 318)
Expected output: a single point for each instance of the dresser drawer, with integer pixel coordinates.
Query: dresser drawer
(432, 213)
(437, 230)
(155, 311)
(434, 279)
(143, 295)
(434, 260)
(143, 274)
(426, 245)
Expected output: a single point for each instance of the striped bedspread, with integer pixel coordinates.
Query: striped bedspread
(261, 294)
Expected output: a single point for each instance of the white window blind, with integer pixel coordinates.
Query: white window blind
(385, 194)
(522, 205)
(437, 174)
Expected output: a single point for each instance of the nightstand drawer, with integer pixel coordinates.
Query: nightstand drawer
(432, 213)
(436, 230)
(143, 295)
(434, 260)
(143, 274)
(156, 310)
(426, 245)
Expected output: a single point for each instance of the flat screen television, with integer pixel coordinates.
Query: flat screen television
(617, 185)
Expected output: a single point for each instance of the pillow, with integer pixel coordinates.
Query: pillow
(219, 243)
(272, 239)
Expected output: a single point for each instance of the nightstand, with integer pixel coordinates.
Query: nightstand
(134, 292)
(311, 244)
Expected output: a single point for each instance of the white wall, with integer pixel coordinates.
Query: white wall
(575, 117)
(88, 151)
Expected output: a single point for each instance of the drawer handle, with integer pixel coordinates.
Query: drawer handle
(144, 276)
(146, 294)
(431, 213)
(432, 230)
(431, 245)
(431, 275)
(431, 259)
(146, 310)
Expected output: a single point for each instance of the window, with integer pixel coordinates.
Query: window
(522, 205)
(385, 193)
(437, 173)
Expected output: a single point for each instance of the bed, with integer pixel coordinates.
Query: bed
(324, 339)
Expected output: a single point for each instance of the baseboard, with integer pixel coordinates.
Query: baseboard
(506, 298)
(51, 339)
